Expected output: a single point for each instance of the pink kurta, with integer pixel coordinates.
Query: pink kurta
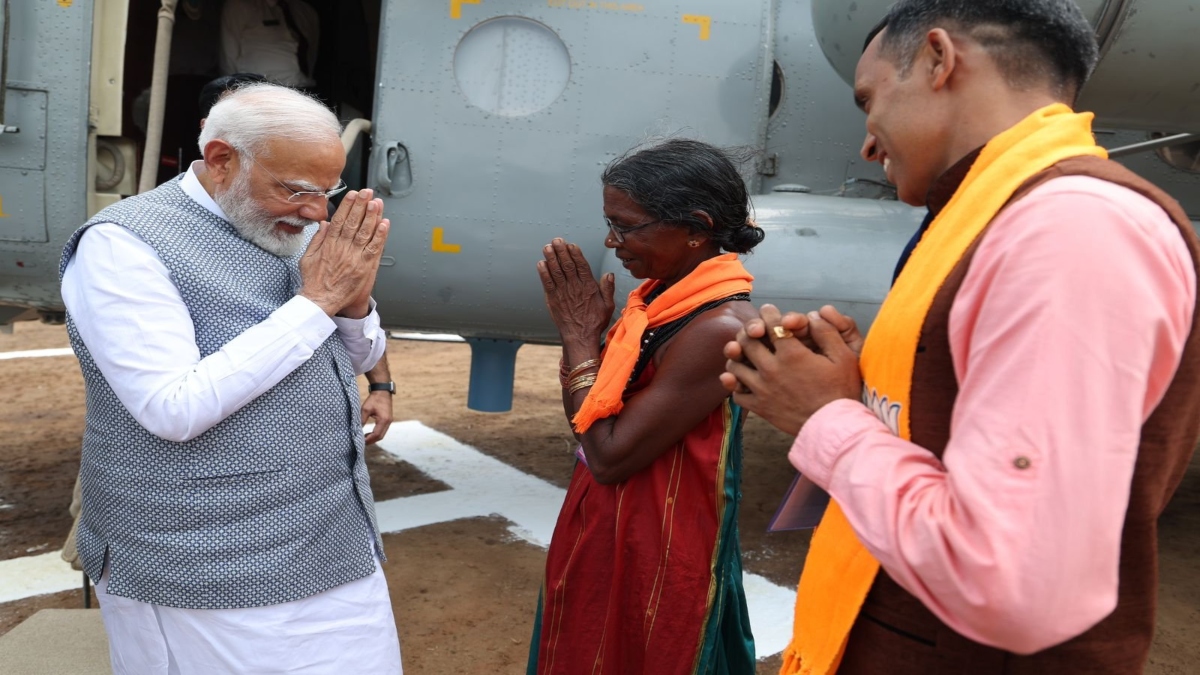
(1065, 334)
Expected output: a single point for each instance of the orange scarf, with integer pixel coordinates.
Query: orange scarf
(839, 571)
(713, 279)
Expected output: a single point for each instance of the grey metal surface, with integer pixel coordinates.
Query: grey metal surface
(497, 186)
(1182, 185)
(43, 168)
(817, 130)
(478, 188)
(1147, 78)
(841, 27)
(820, 250)
(1153, 144)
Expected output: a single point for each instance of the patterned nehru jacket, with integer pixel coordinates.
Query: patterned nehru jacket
(272, 504)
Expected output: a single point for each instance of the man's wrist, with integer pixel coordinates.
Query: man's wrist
(389, 387)
(328, 306)
(358, 312)
(827, 435)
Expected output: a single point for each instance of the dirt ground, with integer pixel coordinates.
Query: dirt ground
(464, 592)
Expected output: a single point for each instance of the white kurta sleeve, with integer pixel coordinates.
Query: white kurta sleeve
(364, 339)
(140, 334)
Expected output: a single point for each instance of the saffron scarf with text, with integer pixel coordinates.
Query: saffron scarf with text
(839, 571)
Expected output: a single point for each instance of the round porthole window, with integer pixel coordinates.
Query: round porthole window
(511, 66)
(1184, 156)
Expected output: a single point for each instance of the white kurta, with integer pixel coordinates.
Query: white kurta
(140, 334)
(345, 630)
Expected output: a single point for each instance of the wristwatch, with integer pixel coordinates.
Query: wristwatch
(389, 387)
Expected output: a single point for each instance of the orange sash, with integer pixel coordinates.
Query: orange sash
(713, 279)
(839, 571)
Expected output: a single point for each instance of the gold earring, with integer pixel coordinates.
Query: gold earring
(693, 243)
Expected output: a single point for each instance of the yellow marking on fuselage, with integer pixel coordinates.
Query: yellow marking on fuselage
(440, 246)
(2, 213)
(705, 23)
(604, 5)
(456, 7)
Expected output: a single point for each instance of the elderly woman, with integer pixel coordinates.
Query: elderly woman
(644, 573)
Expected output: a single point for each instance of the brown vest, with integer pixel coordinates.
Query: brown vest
(897, 635)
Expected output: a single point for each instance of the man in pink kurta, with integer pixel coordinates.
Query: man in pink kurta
(1065, 334)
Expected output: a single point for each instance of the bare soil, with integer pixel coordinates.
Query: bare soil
(464, 592)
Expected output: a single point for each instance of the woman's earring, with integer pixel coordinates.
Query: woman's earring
(693, 243)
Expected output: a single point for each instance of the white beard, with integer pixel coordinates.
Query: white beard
(257, 225)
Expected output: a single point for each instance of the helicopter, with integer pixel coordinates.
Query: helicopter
(484, 126)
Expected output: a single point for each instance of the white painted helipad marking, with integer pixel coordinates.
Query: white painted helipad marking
(483, 485)
(480, 485)
(427, 337)
(36, 575)
(36, 353)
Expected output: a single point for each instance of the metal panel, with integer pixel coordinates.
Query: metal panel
(821, 250)
(817, 130)
(5, 15)
(1148, 77)
(22, 205)
(48, 81)
(26, 110)
(490, 188)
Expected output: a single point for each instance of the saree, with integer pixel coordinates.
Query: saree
(645, 576)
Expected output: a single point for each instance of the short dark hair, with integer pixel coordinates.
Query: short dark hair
(1032, 41)
(675, 178)
(212, 92)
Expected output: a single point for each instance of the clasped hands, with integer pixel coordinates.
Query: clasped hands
(580, 307)
(338, 270)
(784, 368)
(781, 367)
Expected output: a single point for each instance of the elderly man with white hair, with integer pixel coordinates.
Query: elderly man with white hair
(220, 322)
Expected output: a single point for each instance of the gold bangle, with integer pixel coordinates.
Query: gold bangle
(590, 363)
(581, 382)
(582, 378)
(580, 387)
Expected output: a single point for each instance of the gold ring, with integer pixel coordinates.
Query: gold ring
(781, 332)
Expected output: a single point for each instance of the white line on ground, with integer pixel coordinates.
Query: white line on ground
(483, 485)
(427, 337)
(480, 486)
(36, 575)
(35, 353)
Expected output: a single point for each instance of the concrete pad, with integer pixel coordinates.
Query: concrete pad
(57, 642)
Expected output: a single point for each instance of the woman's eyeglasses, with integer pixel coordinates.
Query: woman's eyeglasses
(619, 232)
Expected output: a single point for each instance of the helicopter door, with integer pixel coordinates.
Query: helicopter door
(42, 118)
(494, 118)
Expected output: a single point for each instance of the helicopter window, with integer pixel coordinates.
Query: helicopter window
(511, 66)
(1185, 156)
(776, 89)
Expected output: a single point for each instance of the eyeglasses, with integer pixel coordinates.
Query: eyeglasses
(619, 233)
(301, 195)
